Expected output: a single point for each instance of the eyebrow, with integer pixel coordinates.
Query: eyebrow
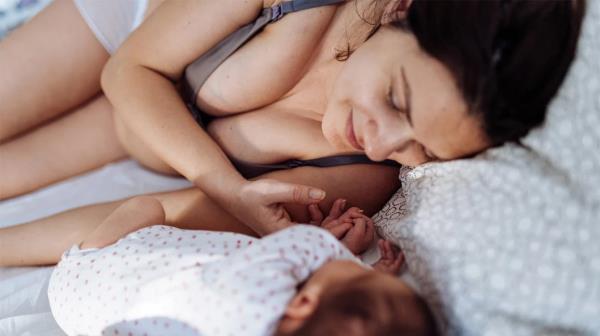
(407, 96)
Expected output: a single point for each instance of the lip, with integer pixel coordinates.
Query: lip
(350, 134)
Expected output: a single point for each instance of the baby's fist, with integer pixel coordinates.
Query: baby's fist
(355, 230)
(361, 234)
(391, 259)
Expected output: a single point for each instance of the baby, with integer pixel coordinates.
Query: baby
(132, 277)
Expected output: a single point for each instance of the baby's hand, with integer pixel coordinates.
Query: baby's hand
(352, 228)
(391, 259)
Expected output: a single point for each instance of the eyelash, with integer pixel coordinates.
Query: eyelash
(429, 156)
(392, 104)
(403, 111)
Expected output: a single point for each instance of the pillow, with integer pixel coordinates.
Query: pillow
(507, 242)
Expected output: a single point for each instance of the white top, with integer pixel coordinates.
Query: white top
(162, 280)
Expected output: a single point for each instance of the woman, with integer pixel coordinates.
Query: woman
(434, 81)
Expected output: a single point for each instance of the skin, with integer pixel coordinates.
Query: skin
(299, 113)
(392, 67)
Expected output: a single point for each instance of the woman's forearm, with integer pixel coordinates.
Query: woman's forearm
(138, 80)
(152, 109)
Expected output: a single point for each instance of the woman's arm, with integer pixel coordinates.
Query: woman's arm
(130, 216)
(138, 80)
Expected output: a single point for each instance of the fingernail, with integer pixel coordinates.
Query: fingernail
(316, 194)
(343, 204)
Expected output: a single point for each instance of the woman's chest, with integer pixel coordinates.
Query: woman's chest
(271, 63)
(271, 93)
(270, 135)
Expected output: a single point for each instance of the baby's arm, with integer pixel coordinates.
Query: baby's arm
(132, 215)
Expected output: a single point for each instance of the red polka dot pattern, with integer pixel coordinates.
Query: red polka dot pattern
(162, 280)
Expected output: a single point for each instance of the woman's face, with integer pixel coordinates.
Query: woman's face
(393, 101)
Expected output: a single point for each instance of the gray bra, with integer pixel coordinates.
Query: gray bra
(198, 72)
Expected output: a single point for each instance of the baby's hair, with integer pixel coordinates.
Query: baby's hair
(359, 309)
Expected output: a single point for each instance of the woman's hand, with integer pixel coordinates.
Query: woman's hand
(259, 204)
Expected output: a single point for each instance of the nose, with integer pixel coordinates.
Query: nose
(384, 137)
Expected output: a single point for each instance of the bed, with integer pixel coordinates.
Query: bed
(24, 308)
(531, 195)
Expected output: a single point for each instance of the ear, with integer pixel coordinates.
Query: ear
(395, 10)
(302, 305)
(298, 311)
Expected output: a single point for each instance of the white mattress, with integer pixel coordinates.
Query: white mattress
(24, 308)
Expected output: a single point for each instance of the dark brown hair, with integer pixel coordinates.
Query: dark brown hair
(356, 309)
(508, 57)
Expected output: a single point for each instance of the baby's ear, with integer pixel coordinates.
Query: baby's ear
(395, 10)
(298, 311)
(302, 305)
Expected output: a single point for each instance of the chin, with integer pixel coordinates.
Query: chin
(332, 139)
(328, 130)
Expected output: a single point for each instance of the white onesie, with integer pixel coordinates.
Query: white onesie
(162, 280)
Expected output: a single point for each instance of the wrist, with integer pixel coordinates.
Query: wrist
(223, 187)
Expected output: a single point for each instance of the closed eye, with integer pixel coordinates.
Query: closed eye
(392, 102)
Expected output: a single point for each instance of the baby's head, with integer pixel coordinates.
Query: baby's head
(344, 298)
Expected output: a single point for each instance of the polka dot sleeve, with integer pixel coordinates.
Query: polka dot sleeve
(265, 275)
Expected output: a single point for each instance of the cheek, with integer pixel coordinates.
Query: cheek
(411, 157)
(330, 125)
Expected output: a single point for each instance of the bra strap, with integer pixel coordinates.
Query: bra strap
(285, 7)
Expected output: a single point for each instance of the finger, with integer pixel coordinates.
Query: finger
(337, 208)
(390, 248)
(393, 249)
(385, 250)
(381, 248)
(360, 226)
(397, 265)
(356, 212)
(340, 230)
(351, 213)
(400, 258)
(327, 224)
(389, 255)
(370, 233)
(279, 219)
(335, 211)
(316, 216)
(281, 192)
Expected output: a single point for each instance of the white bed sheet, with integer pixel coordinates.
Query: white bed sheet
(24, 308)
